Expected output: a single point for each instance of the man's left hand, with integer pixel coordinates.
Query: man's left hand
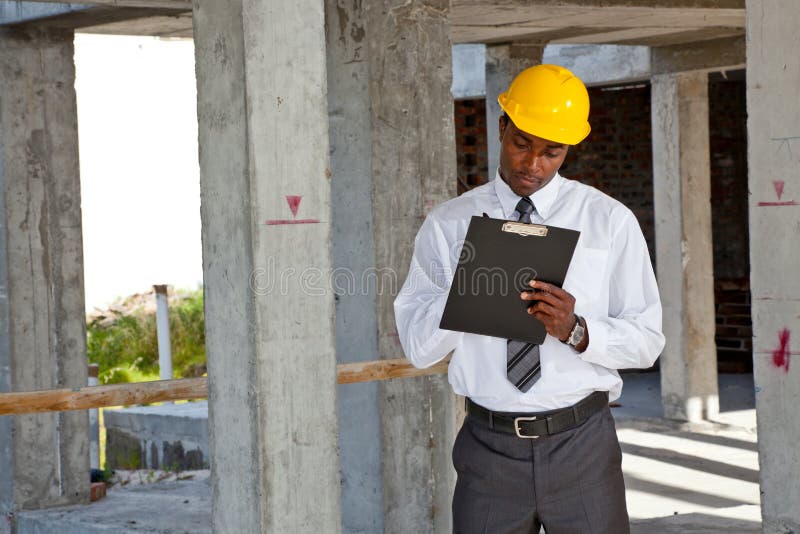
(553, 306)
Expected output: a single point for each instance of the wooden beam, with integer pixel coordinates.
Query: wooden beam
(59, 400)
(349, 373)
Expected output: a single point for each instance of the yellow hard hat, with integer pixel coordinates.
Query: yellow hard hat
(550, 102)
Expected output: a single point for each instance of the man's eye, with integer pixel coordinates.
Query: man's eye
(521, 146)
(551, 155)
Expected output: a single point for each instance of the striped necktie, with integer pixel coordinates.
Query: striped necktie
(523, 368)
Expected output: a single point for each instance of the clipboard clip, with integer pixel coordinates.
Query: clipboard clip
(525, 229)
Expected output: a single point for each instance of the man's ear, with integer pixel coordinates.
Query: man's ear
(502, 124)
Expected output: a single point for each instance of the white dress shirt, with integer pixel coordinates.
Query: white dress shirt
(610, 276)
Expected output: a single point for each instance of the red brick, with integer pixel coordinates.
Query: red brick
(98, 491)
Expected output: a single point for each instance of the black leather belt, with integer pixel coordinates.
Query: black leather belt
(536, 425)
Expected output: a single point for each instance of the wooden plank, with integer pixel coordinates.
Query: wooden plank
(349, 373)
(59, 400)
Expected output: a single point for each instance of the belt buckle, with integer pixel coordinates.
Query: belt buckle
(517, 428)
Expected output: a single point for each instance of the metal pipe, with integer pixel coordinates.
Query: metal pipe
(162, 325)
(94, 422)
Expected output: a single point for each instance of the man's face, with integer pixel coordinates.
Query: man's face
(527, 162)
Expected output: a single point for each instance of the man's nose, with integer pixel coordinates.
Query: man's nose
(533, 162)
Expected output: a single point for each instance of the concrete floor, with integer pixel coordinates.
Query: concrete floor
(684, 478)
(681, 478)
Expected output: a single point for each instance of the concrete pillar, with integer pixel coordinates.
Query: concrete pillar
(354, 261)
(773, 133)
(44, 458)
(684, 255)
(503, 63)
(265, 209)
(413, 169)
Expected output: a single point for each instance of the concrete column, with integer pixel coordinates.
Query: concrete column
(773, 133)
(44, 458)
(413, 169)
(503, 63)
(354, 262)
(265, 209)
(684, 255)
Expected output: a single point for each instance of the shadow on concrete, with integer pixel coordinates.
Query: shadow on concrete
(724, 441)
(695, 523)
(692, 462)
(633, 483)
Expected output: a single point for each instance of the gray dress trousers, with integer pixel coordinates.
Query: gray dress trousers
(570, 482)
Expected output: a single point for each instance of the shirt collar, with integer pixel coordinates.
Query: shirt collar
(543, 199)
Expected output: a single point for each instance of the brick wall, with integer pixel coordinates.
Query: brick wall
(617, 157)
(470, 121)
(734, 328)
(728, 149)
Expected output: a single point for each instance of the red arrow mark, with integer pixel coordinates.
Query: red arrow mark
(778, 187)
(294, 205)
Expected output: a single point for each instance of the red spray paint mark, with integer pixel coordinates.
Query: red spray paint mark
(787, 203)
(291, 221)
(781, 355)
(294, 205)
(779, 187)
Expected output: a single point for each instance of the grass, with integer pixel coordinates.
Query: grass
(125, 344)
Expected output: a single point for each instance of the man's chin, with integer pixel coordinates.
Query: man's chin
(524, 188)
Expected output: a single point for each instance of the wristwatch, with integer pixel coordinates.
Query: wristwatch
(578, 331)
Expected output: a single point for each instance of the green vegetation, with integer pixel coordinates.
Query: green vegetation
(123, 339)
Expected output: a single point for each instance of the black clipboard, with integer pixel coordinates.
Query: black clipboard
(497, 260)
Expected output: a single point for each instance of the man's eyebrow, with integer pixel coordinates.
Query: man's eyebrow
(556, 145)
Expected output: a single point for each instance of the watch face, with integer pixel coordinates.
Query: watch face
(576, 336)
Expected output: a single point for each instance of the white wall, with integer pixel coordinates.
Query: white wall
(140, 185)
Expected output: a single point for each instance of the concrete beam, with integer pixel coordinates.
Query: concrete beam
(266, 214)
(160, 26)
(44, 458)
(181, 5)
(773, 133)
(15, 12)
(413, 169)
(676, 4)
(629, 22)
(706, 56)
(469, 71)
(503, 63)
(602, 64)
(101, 16)
(682, 192)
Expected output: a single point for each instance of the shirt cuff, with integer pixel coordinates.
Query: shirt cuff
(598, 342)
(441, 339)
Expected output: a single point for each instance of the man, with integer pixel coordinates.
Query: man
(539, 446)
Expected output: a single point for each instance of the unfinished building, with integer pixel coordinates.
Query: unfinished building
(348, 105)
